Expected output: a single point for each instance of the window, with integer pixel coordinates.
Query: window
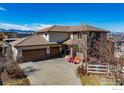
(78, 35)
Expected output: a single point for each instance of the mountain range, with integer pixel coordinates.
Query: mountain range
(17, 31)
(27, 28)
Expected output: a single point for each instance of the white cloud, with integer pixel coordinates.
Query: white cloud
(25, 27)
(2, 9)
(37, 26)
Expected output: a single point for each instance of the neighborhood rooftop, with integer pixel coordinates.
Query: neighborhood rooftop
(57, 28)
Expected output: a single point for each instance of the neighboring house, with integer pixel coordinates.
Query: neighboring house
(8, 40)
(3, 43)
(118, 40)
(11, 34)
(54, 41)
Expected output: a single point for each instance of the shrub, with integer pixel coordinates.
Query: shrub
(81, 71)
(15, 71)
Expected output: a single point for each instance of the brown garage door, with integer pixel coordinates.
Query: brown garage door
(54, 51)
(34, 55)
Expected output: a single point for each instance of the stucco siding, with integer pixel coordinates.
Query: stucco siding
(58, 37)
(46, 36)
(16, 53)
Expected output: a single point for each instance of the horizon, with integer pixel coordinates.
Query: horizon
(27, 16)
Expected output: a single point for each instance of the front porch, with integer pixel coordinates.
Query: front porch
(73, 51)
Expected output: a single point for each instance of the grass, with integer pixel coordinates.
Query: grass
(23, 81)
(96, 80)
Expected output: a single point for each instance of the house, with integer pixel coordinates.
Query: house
(55, 40)
(11, 34)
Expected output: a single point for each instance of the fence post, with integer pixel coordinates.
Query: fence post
(108, 72)
(87, 67)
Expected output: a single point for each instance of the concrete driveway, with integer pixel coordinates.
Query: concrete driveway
(51, 72)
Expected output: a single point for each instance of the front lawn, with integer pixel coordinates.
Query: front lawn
(94, 79)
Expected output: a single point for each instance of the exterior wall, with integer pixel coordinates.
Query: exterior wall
(89, 39)
(78, 35)
(16, 53)
(71, 36)
(81, 50)
(55, 36)
(46, 36)
(58, 37)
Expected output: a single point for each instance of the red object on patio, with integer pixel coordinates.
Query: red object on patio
(76, 60)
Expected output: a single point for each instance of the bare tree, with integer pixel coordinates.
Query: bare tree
(105, 54)
(121, 69)
(12, 66)
(86, 50)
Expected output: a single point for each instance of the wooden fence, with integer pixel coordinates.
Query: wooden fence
(97, 68)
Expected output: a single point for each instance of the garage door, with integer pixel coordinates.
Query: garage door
(54, 51)
(34, 55)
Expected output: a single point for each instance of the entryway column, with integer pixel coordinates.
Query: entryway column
(71, 52)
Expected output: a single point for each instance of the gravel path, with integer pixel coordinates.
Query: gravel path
(51, 72)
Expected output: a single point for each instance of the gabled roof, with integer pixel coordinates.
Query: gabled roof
(34, 40)
(57, 28)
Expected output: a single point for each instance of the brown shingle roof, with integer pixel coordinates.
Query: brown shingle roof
(34, 40)
(57, 28)
(73, 42)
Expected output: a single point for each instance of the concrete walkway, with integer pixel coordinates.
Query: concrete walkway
(51, 72)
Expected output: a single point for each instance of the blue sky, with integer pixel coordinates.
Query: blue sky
(107, 16)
